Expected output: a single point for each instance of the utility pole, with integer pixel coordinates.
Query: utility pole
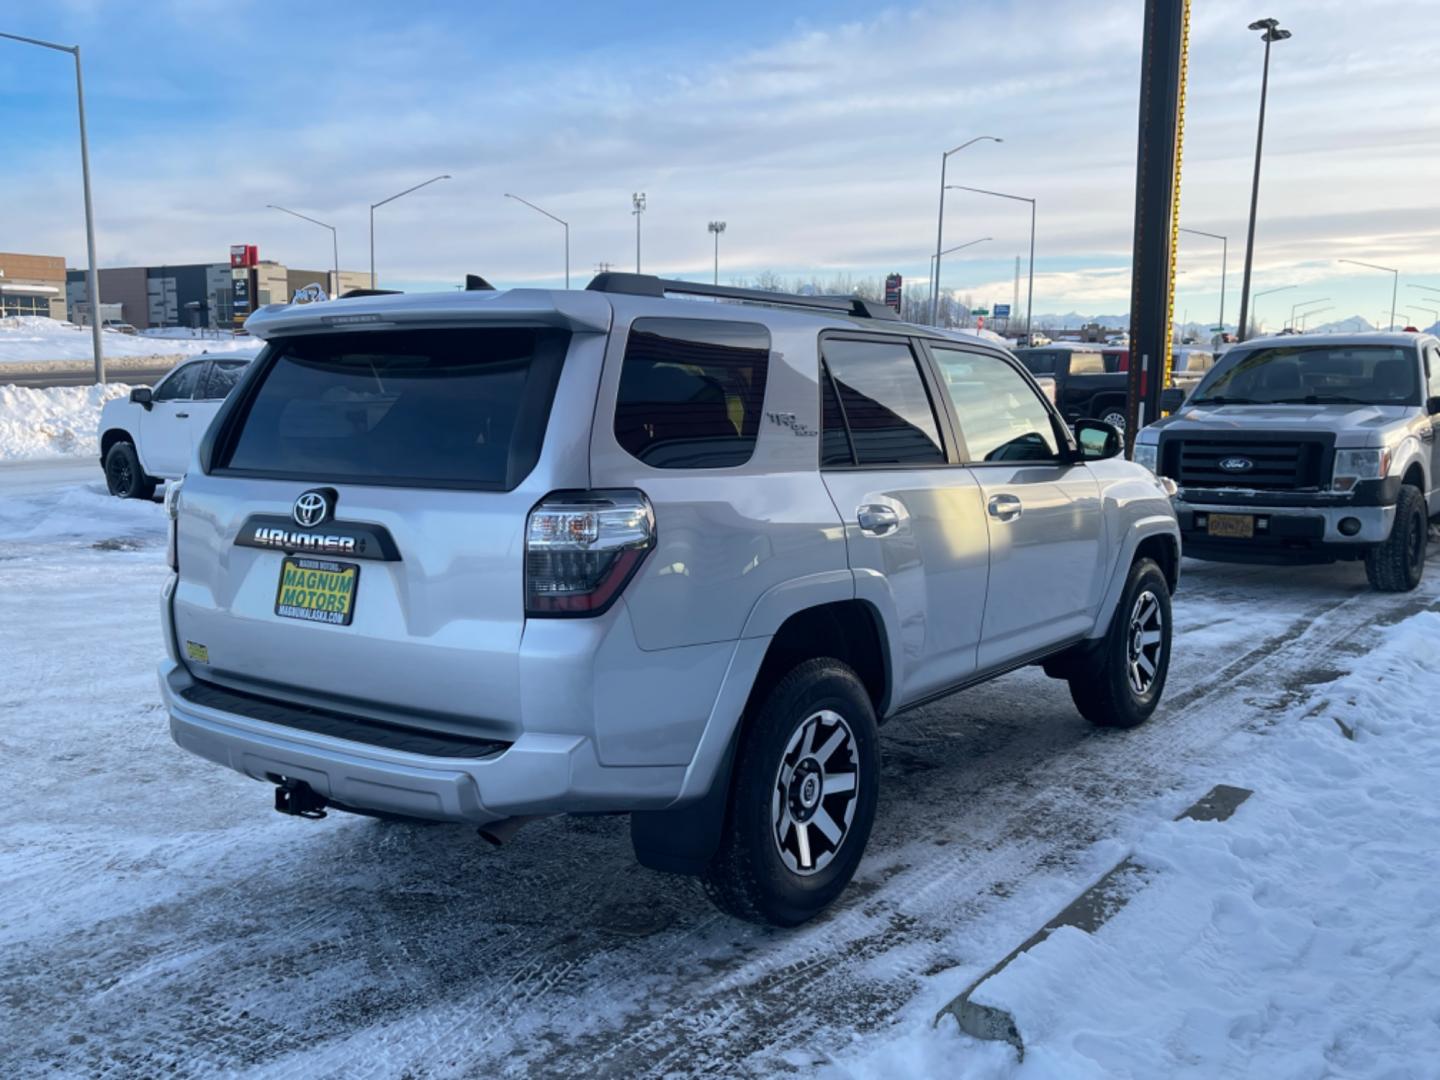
(637, 200)
(1015, 298)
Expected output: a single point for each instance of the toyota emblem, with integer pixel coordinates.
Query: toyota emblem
(312, 508)
(1237, 464)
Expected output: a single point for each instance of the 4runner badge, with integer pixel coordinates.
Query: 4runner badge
(788, 419)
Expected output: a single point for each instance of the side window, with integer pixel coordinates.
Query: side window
(1087, 363)
(1432, 361)
(883, 403)
(1038, 363)
(1000, 416)
(691, 392)
(834, 436)
(223, 376)
(181, 385)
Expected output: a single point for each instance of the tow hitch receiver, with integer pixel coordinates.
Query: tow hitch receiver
(299, 799)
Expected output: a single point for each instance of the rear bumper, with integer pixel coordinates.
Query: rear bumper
(537, 774)
(1285, 534)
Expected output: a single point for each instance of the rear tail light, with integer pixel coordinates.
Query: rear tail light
(172, 514)
(581, 548)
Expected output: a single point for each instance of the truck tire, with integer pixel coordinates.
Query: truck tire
(802, 798)
(1397, 563)
(1122, 684)
(123, 474)
(1114, 415)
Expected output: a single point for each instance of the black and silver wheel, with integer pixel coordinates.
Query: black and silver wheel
(1118, 682)
(802, 798)
(1115, 417)
(124, 477)
(1397, 564)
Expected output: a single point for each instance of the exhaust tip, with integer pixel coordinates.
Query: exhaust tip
(499, 833)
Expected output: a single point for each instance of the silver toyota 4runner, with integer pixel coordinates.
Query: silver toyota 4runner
(1310, 448)
(484, 556)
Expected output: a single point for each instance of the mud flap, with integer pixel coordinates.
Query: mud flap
(683, 840)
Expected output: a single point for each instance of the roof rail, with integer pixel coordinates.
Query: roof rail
(650, 285)
(369, 292)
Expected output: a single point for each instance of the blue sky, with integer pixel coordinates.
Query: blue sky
(816, 136)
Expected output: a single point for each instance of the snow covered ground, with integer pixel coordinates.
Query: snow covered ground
(56, 422)
(157, 918)
(26, 339)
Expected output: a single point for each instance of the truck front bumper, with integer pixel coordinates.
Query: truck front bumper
(1288, 533)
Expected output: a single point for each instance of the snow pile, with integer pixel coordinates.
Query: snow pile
(59, 421)
(1300, 938)
(28, 339)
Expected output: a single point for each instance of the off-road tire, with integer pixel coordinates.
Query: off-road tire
(1397, 563)
(748, 877)
(123, 474)
(1102, 689)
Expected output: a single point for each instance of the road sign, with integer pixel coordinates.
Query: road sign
(893, 291)
(980, 311)
(1002, 311)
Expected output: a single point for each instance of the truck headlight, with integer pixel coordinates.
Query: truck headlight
(1352, 466)
(1148, 454)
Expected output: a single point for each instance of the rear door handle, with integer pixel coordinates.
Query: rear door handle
(1004, 507)
(182, 416)
(876, 520)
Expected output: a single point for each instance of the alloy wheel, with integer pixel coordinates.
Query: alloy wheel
(1144, 642)
(815, 792)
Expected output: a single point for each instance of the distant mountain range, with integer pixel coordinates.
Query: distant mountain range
(1355, 324)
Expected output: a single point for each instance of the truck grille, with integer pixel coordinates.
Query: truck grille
(1275, 465)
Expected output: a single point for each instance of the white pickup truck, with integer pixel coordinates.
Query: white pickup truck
(149, 436)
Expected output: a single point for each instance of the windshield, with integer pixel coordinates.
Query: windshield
(1315, 375)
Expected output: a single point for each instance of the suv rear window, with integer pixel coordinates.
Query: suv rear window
(426, 408)
(691, 391)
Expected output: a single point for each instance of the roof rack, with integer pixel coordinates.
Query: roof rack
(650, 285)
(368, 292)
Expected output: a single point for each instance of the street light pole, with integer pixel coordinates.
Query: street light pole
(637, 202)
(940, 223)
(1224, 261)
(1267, 292)
(382, 202)
(959, 247)
(1305, 315)
(1305, 303)
(1394, 289)
(717, 227)
(1273, 33)
(334, 243)
(92, 274)
(1030, 297)
(552, 217)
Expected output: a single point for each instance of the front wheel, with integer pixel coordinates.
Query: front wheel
(1122, 685)
(123, 474)
(802, 798)
(1396, 565)
(1115, 417)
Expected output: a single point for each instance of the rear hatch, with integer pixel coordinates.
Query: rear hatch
(356, 540)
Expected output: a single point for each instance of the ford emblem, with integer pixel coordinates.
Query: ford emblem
(1237, 464)
(313, 508)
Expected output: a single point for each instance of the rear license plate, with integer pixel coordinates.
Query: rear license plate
(1238, 526)
(317, 590)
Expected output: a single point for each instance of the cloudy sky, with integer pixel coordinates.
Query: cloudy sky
(816, 137)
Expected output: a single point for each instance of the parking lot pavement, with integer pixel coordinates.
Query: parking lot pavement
(157, 917)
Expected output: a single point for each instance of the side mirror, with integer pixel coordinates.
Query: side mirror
(1098, 440)
(143, 395)
(1172, 399)
(1432, 406)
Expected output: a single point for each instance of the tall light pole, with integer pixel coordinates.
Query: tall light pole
(382, 202)
(1224, 260)
(1030, 297)
(1434, 312)
(959, 247)
(552, 217)
(637, 202)
(1267, 292)
(1305, 315)
(940, 222)
(1304, 303)
(93, 274)
(1395, 287)
(1272, 34)
(717, 227)
(334, 243)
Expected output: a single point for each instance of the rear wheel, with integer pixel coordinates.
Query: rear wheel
(123, 474)
(1397, 564)
(1122, 684)
(802, 798)
(1114, 415)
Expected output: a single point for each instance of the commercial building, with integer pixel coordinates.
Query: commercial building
(32, 285)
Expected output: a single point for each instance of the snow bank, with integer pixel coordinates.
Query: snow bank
(1300, 938)
(60, 421)
(26, 339)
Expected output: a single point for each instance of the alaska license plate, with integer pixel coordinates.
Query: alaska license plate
(1236, 526)
(317, 590)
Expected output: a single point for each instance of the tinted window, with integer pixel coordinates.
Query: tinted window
(223, 376)
(1432, 356)
(884, 403)
(447, 408)
(1038, 363)
(1316, 374)
(1000, 416)
(1087, 363)
(691, 392)
(180, 385)
(834, 439)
